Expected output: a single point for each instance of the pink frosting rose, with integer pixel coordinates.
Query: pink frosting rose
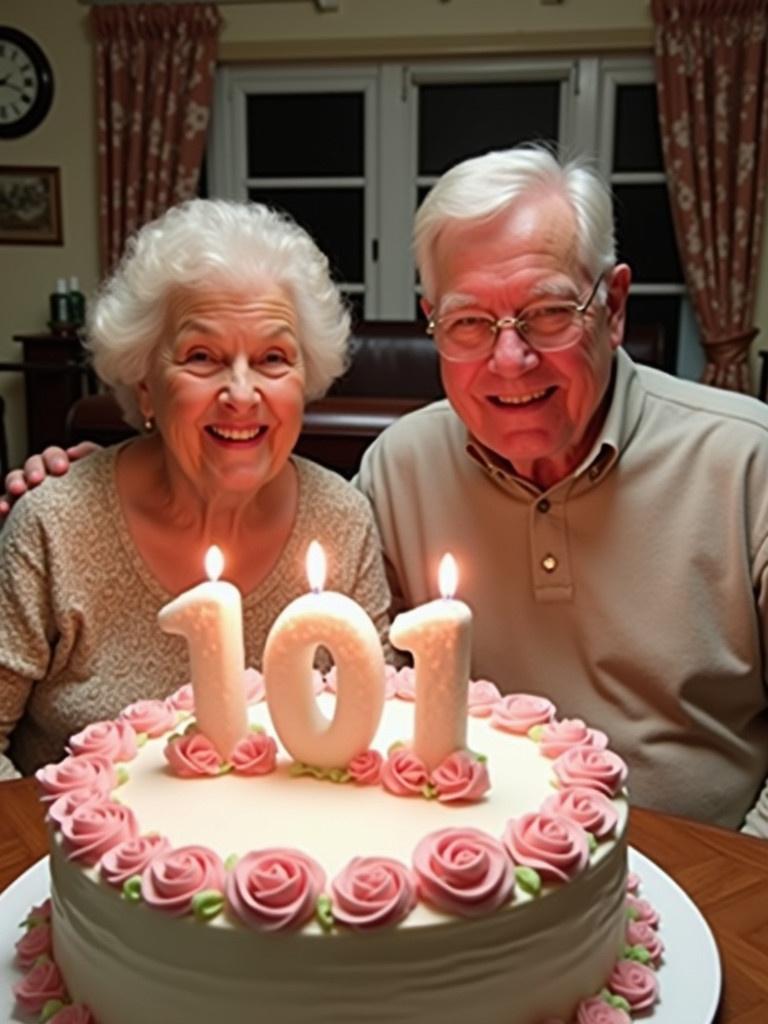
(173, 878)
(482, 698)
(636, 983)
(586, 807)
(372, 891)
(633, 882)
(34, 943)
(365, 769)
(641, 910)
(254, 754)
(463, 871)
(518, 712)
(77, 1013)
(255, 690)
(192, 755)
(130, 858)
(151, 717)
(78, 771)
(640, 933)
(39, 985)
(557, 737)
(93, 829)
(597, 769)
(115, 740)
(405, 683)
(404, 773)
(552, 845)
(182, 699)
(66, 804)
(597, 1011)
(275, 889)
(460, 777)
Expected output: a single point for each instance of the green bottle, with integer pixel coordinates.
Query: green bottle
(76, 302)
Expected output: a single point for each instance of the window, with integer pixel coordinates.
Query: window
(350, 151)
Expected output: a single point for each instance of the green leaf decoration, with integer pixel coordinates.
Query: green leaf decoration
(190, 728)
(535, 733)
(338, 775)
(397, 745)
(255, 727)
(50, 1009)
(141, 739)
(637, 953)
(299, 768)
(207, 904)
(477, 756)
(632, 913)
(324, 912)
(617, 1002)
(225, 768)
(529, 880)
(591, 842)
(122, 775)
(32, 922)
(429, 790)
(132, 889)
(231, 860)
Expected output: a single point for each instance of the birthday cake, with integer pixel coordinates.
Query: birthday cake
(185, 889)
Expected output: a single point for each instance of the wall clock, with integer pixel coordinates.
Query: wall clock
(26, 83)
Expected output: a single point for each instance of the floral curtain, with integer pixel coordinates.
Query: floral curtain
(712, 88)
(154, 83)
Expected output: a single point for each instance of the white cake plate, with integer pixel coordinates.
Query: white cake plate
(690, 950)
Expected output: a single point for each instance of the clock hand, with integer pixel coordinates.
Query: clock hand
(11, 85)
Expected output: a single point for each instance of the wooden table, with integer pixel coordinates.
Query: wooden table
(726, 874)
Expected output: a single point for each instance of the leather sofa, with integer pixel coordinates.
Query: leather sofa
(393, 369)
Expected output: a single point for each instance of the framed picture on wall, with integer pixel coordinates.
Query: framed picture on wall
(30, 206)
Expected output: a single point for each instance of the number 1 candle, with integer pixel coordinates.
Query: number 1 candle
(438, 634)
(210, 617)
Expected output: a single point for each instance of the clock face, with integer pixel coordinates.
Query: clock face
(26, 83)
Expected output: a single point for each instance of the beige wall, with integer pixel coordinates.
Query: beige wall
(290, 29)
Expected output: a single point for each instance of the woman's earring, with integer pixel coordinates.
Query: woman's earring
(149, 424)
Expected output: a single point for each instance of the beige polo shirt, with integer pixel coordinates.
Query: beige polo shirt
(632, 593)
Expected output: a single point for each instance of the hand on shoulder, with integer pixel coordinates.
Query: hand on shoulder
(54, 461)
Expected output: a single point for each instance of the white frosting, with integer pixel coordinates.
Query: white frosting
(532, 959)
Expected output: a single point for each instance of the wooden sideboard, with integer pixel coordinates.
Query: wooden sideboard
(55, 376)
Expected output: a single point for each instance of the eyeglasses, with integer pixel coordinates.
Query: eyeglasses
(462, 337)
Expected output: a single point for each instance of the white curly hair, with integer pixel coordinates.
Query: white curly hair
(213, 243)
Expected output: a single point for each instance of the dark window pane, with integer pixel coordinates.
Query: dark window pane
(658, 309)
(334, 218)
(457, 121)
(636, 141)
(646, 239)
(304, 134)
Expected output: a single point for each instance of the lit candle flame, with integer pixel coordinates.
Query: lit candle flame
(448, 576)
(214, 562)
(315, 567)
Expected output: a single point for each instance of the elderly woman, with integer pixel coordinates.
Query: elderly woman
(219, 324)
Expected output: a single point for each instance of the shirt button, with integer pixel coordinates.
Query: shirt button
(543, 505)
(549, 563)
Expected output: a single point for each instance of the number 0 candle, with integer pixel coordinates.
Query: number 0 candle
(438, 634)
(210, 617)
(341, 625)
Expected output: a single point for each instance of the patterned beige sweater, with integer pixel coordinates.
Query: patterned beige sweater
(78, 606)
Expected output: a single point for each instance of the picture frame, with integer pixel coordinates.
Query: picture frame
(30, 206)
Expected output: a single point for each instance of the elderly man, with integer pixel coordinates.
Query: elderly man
(610, 522)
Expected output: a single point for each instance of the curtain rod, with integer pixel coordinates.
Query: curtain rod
(321, 5)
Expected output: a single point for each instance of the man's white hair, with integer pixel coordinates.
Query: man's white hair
(478, 189)
(214, 243)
